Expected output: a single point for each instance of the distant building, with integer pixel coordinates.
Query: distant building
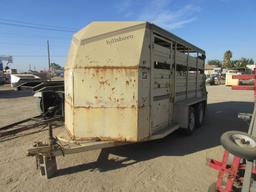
(251, 67)
(229, 81)
(212, 69)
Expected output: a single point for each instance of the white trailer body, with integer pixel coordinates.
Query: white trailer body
(125, 82)
(131, 81)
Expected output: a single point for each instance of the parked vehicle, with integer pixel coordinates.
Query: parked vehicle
(213, 79)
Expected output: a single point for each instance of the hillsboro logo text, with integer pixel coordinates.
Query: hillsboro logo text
(118, 39)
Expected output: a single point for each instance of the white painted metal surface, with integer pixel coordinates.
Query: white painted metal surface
(122, 81)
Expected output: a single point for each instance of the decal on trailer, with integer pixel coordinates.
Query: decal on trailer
(144, 75)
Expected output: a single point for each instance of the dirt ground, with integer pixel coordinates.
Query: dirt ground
(16, 105)
(176, 163)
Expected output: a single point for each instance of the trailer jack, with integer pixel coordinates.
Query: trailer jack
(237, 171)
(43, 152)
(46, 153)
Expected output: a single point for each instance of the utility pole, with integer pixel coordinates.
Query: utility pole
(49, 59)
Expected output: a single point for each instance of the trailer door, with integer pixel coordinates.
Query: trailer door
(161, 92)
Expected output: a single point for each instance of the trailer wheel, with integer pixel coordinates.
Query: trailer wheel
(199, 119)
(191, 122)
(240, 144)
(212, 187)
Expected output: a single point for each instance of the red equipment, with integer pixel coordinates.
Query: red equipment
(231, 172)
(232, 169)
(246, 77)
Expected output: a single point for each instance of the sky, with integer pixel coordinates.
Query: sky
(213, 25)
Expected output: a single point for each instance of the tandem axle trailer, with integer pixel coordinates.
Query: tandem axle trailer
(125, 82)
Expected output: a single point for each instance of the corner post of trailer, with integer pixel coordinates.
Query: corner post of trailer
(187, 75)
(175, 69)
(150, 80)
(196, 71)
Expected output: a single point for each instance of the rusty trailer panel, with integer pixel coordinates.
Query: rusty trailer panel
(120, 81)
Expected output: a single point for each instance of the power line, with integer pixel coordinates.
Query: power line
(28, 36)
(35, 27)
(33, 44)
(38, 55)
(36, 24)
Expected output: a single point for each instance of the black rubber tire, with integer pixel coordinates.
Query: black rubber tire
(199, 115)
(212, 188)
(191, 128)
(245, 152)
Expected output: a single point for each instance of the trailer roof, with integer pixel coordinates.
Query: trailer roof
(174, 37)
(96, 29)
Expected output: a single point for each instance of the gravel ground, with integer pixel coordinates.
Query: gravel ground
(16, 105)
(175, 163)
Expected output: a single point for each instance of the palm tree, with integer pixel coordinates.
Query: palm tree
(227, 59)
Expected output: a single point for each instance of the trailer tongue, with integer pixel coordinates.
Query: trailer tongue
(45, 153)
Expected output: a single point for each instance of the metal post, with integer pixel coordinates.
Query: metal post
(196, 71)
(175, 70)
(49, 59)
(187, 75)
(254, 71)
(51, 138)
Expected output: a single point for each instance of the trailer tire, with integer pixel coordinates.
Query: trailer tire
(191, 122)
(199, 115)
(239, 144)
(212, 187)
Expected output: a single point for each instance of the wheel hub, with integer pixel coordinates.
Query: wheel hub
(243, 141)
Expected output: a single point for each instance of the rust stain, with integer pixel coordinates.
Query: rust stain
(104, 82)
(104, 107)
(68, 103)
(83, 107)
(106, 67)
(69, 133)
(116, 139)
(73, 125)
(127, 82)
(113, 88)
(95, 97)
(142, 106)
